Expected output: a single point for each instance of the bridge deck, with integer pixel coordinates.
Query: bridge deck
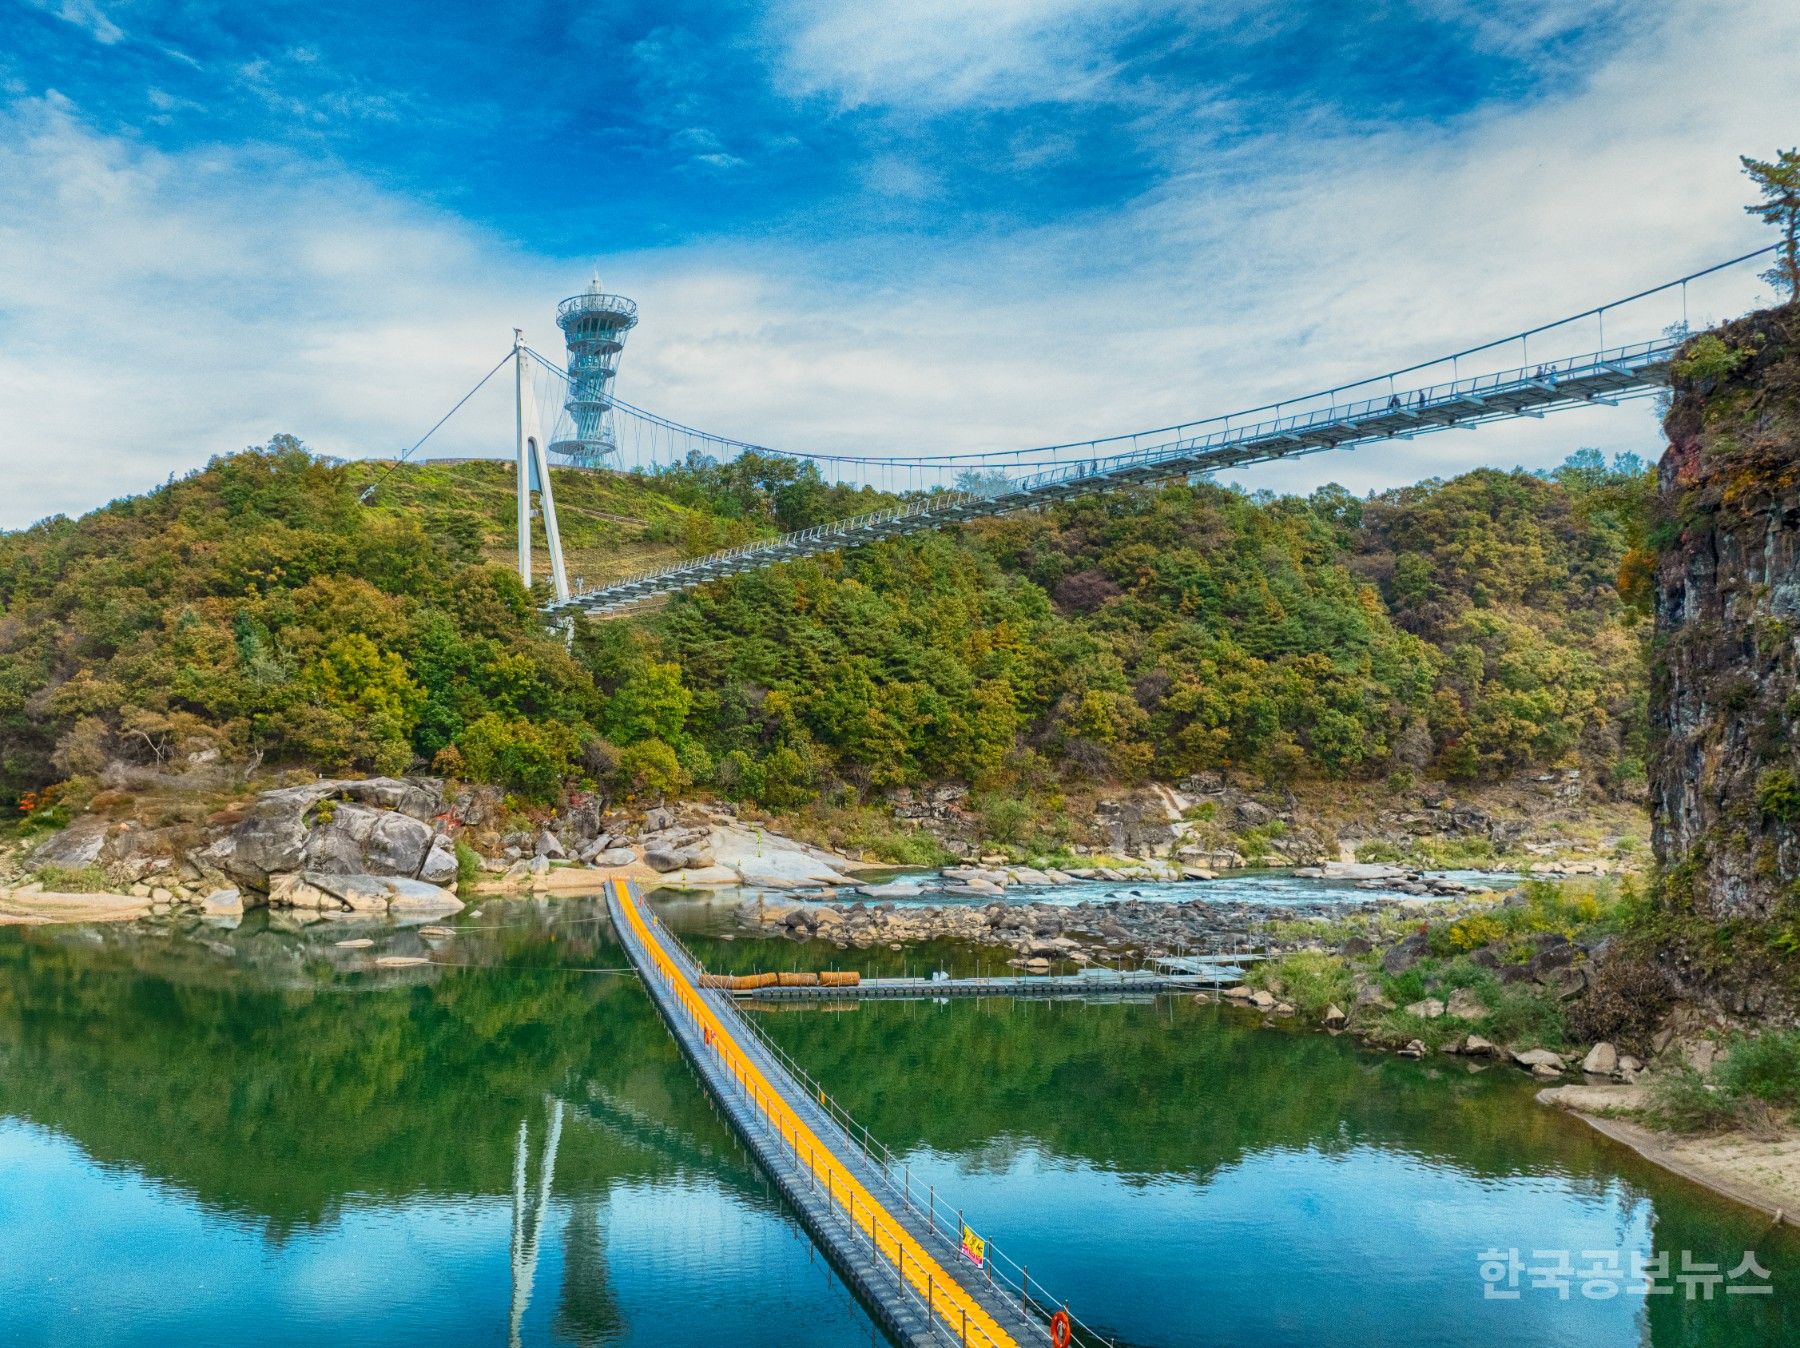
(906, 1267)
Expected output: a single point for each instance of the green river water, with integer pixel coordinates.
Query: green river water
(261, 1141)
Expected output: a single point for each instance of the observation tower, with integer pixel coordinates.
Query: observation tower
(594, 325)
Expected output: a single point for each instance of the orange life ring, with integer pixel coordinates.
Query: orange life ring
(1060, 1332)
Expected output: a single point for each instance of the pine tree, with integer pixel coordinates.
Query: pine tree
(1779, 183)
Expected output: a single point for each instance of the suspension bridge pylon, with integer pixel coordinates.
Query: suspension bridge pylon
(534, 464)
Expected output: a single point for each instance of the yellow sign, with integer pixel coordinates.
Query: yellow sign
(973, 1247)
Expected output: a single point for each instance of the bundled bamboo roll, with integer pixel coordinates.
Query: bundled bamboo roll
(800, 980)
(840, 978)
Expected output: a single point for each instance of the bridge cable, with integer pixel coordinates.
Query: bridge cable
(1008, 457)
(368, 492)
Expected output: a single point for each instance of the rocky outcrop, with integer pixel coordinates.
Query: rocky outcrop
(392, 896)
(383, 826)
(1725, 691)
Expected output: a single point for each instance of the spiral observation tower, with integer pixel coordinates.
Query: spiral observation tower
(594, 326)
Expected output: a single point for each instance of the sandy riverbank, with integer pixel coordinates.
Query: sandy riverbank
(1760, 1173)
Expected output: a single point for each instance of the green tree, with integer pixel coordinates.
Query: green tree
(1779, 182)
(650, 704)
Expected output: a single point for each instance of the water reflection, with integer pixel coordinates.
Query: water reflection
(280, 1146)
(528, 1218)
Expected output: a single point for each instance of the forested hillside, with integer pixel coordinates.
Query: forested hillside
(260, 607)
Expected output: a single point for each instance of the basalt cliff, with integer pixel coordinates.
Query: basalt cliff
(1725, 696)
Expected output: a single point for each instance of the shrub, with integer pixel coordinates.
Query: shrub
(1778, 796)
(1683, 1100)
(1476, 930)
(529, 757)
(1007, 820)
(1708, 357)
(1379, 851)
(1309, 979)
(1765, 1068)
(468, 868)
(1627, 994)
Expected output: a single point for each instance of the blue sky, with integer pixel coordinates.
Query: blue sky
(899, 224)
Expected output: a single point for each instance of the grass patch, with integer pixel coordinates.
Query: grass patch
(72, 879)
(1309, 980)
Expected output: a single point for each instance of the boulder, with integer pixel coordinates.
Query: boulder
(595, 848)
(549, 845)
(613, 856)
(381, 894)
(1371, 998)
(663, 859)
(695, 858)
(708, 875)
(1465, 1005)
(1334, 1018)
(78, 845)
(1477, 1047)
(223, 903)
(372, 827)
(1590, 1099)
(1602, 1060)
(1430, 1008)
(439, 867)
(1237, 992)
(1540, 1057)
(1262, 1000)
(786, 870)
(1404, 954)
(1414, 1049)
(897, 889)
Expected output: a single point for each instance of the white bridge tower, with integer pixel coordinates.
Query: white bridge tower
(534, 462)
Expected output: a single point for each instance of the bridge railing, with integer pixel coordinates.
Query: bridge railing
(944, 1221)
(1551, 382)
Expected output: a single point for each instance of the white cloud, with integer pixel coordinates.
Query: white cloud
(949, 53)
(85, 15)
(159, 308)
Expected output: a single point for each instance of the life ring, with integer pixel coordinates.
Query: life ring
(1060, 1331)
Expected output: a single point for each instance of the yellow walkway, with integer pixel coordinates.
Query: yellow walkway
(947, 1301)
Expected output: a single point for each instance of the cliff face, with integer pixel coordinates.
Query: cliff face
(1725, 691)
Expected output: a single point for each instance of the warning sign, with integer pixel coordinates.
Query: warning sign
(974, 1248)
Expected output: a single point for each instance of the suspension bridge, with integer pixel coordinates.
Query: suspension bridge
(1556, 366)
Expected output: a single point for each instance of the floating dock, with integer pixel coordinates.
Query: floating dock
(1094, 984)
(928, 1277)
